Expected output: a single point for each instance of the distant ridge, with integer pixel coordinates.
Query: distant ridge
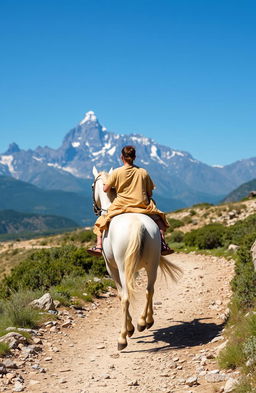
(27, 198)
(15, 222)
(241, 192)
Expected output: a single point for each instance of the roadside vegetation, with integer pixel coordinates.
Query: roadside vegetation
(240, 332)
(65, 270)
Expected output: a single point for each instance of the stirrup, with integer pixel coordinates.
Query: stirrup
(95, 251)
(165, 249)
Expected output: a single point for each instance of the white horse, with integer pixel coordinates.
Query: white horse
(132, 242)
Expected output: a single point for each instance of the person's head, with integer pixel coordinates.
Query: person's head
(128, 154)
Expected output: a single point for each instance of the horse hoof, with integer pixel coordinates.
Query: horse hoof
(150, 324)
(140, 328)
(120, 347)
(130, 332)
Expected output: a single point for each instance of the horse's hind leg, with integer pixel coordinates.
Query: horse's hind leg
(130, 327)
(146, 319)
(113, 271)
(122, 341)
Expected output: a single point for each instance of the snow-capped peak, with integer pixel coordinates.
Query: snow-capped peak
(89, 116)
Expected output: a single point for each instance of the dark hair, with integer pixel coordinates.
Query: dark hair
(129, 154)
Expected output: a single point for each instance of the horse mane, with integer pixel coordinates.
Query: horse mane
(112, 192)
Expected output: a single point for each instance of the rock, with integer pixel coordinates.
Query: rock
(31, 350)
(133, 383)
(37, 340)
(18, 387)
(33, 382)
(214, 378)
(10, 364)
(67, 324)
(13, 339)
(57, 303)
(230, 385)
(54, 329)
(44, 303)
(233, 247)
(2, 369)
(101, 346)
(192, 381)
(215, 339)
(220, 347)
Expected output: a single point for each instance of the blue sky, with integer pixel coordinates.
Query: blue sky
(181, 72)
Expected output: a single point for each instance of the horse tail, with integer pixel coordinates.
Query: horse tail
(169, 269)
(133, 254)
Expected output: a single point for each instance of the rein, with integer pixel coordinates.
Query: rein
(97, 210)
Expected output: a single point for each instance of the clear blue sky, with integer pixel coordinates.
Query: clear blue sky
(181, 72)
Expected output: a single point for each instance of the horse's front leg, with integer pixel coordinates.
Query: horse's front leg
(146, 319)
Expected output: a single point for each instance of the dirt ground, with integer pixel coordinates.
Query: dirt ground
(181, 344)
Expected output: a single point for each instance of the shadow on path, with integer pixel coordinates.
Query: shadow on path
(181, 335)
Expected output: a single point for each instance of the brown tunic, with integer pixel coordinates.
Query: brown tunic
(134, 188)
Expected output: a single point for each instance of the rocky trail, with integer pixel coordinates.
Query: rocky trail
(177, 354)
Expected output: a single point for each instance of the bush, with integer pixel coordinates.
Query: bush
(203, 205)
(177, 237)
(46, 268)
(244, 282)
(208, 237)
(249, 348)
(16, 311)
(4, 349)
(235, 233)
(173, 223)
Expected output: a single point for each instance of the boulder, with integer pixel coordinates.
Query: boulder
(44, 303)
(13, 339)
(230, 385)
(233, 247)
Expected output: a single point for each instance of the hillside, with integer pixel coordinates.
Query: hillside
(27, 198)
(241, 192)
(203, 214)
(16, 222)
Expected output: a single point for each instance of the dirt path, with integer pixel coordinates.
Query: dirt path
(188, 316)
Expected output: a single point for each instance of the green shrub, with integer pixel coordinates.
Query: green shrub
(4, 349)
(235, 233)
(244, 282)
(177, 237)
(232, 356)
(249, 348)
(187, 220)
(208, 237)
(190, 238)
(46, 268)
(203, 205)
(173, 223)
(16, 311)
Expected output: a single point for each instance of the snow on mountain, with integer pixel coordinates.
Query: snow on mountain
(177, 174)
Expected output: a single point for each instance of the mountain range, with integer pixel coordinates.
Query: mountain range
(181, 180)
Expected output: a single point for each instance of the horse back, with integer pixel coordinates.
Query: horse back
(121, 229)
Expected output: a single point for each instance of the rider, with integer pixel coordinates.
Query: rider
(134, 188)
